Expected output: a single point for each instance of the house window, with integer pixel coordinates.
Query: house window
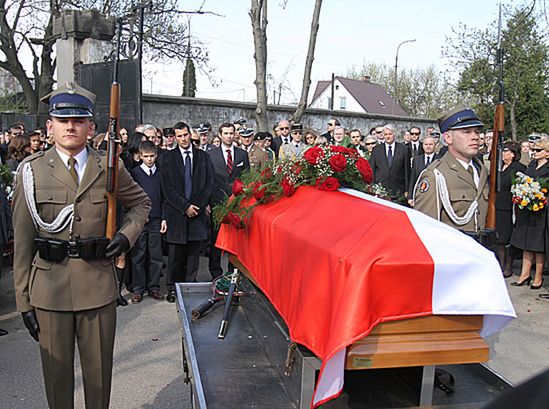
(329, 103)
(342, 102)
(337, 87)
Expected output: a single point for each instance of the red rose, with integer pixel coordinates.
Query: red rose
(297, 168)
(338, 149)
(313, 155)
(267, 173)
(287, 188)
(353, 153)
(365, 170)
(238, 187)
(329, 183)
(338, 162)
(234, 220)
(259, 191)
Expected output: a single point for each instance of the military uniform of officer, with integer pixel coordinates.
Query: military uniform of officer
(63, 265)
(259, 159)
(454, 189)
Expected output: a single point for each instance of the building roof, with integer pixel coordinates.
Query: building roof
(372, 97)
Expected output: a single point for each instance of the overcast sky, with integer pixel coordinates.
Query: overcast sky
(351, 32)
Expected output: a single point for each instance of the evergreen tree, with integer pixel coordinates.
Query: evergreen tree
(189, 79)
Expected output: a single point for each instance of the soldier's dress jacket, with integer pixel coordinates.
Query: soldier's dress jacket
(259, 159)
(73, 284)
(289, 150)
(461, 189)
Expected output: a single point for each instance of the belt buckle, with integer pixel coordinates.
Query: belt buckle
(72, 250)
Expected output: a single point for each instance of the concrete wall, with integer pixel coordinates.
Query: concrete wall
(163, 111)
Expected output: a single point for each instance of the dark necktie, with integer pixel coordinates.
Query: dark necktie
(150, 172)
(415, 150)
(428, 161)
(229, 161)
(285, 140)
(472, 173)
(390, 155)
(72, 170)
(188, 175)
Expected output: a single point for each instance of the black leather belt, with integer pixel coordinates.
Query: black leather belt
(57, 250)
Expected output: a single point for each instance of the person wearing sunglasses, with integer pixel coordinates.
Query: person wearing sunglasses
(283, 136)
(454, 189)
(416, 147)
(330, 126)
(296, 147)
(369, 143)
(530, 231)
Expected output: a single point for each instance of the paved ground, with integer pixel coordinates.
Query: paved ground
(147, 362)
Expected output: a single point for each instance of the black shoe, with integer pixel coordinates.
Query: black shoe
(536, 287)
(121, 301)
(171, 297)
(521, 283)
(3, 332)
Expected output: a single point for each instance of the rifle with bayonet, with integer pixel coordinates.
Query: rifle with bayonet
(113, 143)
(496, 150)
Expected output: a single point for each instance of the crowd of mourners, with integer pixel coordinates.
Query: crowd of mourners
(397, 165)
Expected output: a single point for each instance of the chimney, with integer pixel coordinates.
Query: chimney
(366, 78)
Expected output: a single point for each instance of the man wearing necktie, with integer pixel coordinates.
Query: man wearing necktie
(64, 277)
(421, 162)
(295, 149)
(390, 162)
(454, 189)
(228, 163)
(186, 175)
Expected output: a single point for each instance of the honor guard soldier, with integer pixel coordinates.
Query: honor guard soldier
(454, 189)
(64, 275)
(294, 149)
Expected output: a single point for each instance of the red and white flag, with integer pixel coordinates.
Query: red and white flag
(335, 264)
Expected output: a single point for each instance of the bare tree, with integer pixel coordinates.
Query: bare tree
(258, 15)
(302, 105)
(26, 27)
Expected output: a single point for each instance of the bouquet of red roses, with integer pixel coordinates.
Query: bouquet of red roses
(326, 167)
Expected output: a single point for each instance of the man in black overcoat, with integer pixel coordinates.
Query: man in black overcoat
(187, 179)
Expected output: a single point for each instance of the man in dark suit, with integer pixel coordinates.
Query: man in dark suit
(390, 162)
(186, 176)
(329, 135)
(415, 145)
(421, 162)
(228, 164)
(283, 136)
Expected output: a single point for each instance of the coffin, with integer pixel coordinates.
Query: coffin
(365, 283)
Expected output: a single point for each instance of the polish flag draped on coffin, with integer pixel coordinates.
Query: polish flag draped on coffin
(335, 264)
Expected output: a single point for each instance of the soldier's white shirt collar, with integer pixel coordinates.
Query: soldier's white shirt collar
(81, 160)
(466, 165)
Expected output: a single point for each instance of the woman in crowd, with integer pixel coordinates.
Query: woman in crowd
(131, 155)
(36, 144)
(216, 141)
(19, 149)
(369, 143)
(529, 232)
(504, 205)
(310, 137)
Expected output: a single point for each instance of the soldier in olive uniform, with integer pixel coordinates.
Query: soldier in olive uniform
(454, 189)
(63, 265)
(294, 149)
(259, 159)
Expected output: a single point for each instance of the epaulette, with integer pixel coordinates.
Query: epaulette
(32, 157)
